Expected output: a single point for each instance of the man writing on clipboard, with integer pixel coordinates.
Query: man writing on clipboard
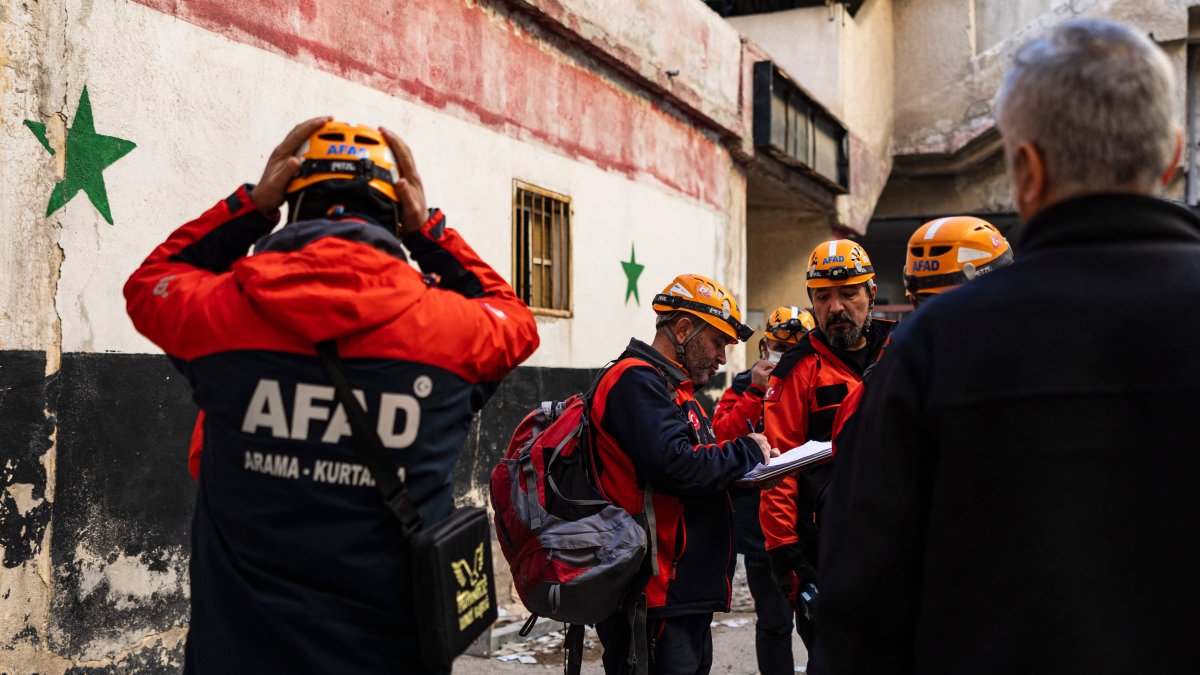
(803, 395)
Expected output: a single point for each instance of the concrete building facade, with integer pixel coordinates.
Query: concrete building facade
(589, 154)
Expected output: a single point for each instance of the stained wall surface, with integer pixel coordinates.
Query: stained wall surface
(122, 119)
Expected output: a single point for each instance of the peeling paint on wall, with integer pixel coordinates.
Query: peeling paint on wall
(24, 440)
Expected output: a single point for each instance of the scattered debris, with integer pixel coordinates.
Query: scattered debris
(550, 644)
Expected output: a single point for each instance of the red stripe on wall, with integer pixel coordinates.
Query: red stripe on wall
(476, 64)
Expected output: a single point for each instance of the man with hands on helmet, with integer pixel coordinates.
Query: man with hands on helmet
(297, 564)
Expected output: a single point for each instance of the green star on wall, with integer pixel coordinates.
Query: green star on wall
(88, 154)
(632, 271)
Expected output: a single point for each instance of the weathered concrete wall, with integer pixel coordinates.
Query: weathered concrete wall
(807, 44)
(955, 53)
(845, 63)
(697, 68)
(184, 100)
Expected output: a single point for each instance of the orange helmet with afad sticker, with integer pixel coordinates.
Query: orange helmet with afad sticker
(789, 323)
(949, 252)
(839, 262)
(705, 298)
(342, 151)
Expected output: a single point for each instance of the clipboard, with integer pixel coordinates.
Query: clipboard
(792, 461)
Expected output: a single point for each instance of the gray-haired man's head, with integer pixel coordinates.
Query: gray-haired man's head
(1086, 108)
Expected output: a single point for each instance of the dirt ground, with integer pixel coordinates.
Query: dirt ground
(733, 647)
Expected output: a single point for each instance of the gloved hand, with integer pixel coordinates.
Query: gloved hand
(807, 601)
(793, 572)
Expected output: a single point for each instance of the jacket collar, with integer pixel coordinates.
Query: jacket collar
(671, 370)
(295, 236)
(1108, 218)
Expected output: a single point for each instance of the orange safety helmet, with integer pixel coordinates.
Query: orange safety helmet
(839, 262)
(708, 300)
(949, 252)
(788, 324)
(344, 151)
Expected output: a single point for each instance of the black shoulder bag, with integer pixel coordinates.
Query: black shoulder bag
(454, 594)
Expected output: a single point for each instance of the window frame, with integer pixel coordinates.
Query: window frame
(522, 234)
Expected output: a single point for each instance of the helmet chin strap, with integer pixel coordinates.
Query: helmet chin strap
(679, 352)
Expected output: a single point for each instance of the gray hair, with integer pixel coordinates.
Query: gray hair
(1095, 97)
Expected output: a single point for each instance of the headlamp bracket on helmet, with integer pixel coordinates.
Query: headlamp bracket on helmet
(841, 273)
(743, 331)
(356, 168)
(787, 328)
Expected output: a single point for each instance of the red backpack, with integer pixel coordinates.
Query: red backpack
(574, 555)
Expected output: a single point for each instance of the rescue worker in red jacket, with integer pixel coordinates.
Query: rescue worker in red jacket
(943, 254)
(742, 401)
(740, 409)
(656, 455)
(802, 398)
(296, 562)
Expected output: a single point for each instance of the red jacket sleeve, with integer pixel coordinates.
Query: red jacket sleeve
(736, 413)
(184, 284)
(785, 416)
(505, 331)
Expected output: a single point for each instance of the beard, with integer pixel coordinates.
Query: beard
(848, 334)
(700, 366)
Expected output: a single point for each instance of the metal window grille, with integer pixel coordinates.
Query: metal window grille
(542, 249)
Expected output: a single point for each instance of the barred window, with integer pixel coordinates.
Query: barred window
(542, 249)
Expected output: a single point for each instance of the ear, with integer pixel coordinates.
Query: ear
(682, 327)
(1029, 178)
(1173, 167)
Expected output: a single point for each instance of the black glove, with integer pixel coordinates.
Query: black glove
(792, 571)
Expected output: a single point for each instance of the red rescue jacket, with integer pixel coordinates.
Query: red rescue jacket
(740, 408)
(803, 396)
(290, 534)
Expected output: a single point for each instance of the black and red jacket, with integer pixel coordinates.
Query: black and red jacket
(297, 565)
(651, 430)
(803, 396)
(739, 411)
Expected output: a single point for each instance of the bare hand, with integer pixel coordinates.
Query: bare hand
(760, 373)
(282, 166)
(767, 451)
(410, 193)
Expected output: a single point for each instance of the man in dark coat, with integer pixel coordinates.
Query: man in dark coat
(1021, 497)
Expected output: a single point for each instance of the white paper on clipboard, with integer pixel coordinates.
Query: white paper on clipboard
(812, 452)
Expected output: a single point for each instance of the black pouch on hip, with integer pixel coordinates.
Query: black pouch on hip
(454, 593)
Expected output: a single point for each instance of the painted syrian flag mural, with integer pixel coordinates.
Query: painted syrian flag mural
(133, 117)
(88, 154)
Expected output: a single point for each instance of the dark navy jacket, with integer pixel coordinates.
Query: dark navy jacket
(651, 430)
(1020, 495)
(296, 564)
(740, 408)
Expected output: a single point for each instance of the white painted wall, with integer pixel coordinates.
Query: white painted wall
(205, 112)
